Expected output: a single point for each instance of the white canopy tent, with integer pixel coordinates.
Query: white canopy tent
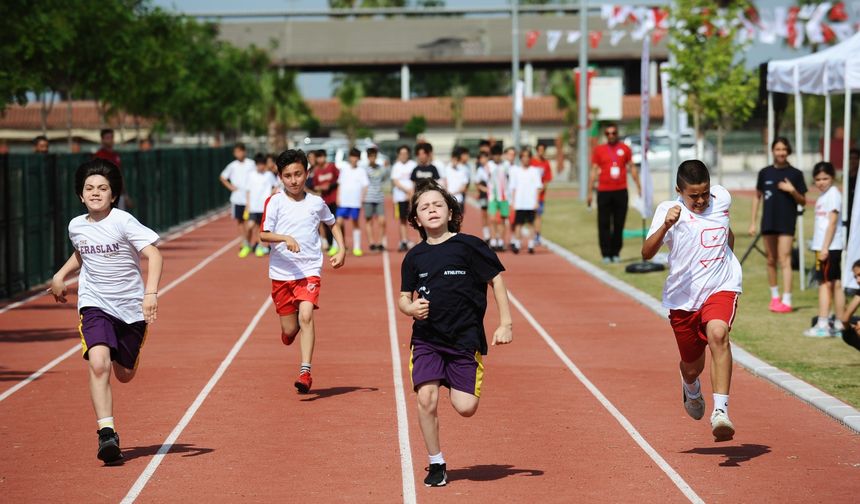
(835, 70)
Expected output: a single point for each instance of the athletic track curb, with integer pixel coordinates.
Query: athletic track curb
(842, 412)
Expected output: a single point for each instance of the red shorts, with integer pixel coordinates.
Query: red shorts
(689, 327)
(288, 294)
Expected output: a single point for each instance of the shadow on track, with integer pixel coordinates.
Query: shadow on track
(735, 455)
(489, 472)
(189, 450)
(313, 395)
(31, 335)
(12, 375)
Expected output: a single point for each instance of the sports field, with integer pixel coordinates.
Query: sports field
(584, 406)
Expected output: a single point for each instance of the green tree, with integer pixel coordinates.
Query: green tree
(563, 89)
(416, 125)
(458, 107)
(710, 66)
(349, 94)
(281, 107)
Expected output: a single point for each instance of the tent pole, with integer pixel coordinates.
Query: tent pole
(828, 116)
(798, 141)
(846, 147)
(771, 124)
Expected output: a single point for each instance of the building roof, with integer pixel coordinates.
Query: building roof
(478, 110)
(85, 115)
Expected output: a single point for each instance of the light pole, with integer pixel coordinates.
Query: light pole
(583, 101)
(515, 72)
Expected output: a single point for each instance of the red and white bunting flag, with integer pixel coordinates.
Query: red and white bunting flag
(553, 37)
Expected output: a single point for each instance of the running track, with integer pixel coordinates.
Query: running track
(584, 406)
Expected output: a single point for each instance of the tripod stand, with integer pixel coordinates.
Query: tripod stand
(753, 245)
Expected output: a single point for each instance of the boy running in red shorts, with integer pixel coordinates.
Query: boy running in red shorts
(291, 220)
(702, 289)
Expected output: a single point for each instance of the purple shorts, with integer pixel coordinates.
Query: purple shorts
(454, 368)
(124, 340)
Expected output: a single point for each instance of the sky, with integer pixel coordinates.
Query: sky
(319, 85)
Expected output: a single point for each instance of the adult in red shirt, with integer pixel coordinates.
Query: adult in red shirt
(540, 161)
(325, 176)
(610, 163)
(106, 152)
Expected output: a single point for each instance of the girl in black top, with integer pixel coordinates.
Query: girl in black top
(782, 188)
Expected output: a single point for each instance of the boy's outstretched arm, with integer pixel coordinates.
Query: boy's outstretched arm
(58, 282)
(503, 334)
(153, 278)
(337, 233)
(655, 241)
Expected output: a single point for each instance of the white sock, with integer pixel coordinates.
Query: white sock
(786, 298)
(437, 459)
(515, 243)
(486, 231)
(106, 422)
(531, 244)
(306, 366)
(823, 323)
(774, 292)
(694, 390)
(721, 402)
(356, 238)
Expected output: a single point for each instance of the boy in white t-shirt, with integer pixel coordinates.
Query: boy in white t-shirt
(827, 243)
(235, 178)
(291, 222)
(261, 184)
(115, 308)
(498, 206)
(457, 176)
(352, 188)
(401, 190)
(702, 289)
(525, 191)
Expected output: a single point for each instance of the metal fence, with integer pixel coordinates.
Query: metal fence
(167, 187)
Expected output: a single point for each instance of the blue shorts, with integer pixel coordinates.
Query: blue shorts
(347, 213)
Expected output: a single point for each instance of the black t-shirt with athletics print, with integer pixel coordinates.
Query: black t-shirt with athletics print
(453, 276)
(423, 172)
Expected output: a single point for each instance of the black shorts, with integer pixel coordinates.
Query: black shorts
(830, 269)
(256, 217)
(401, 209)
(524, 217)
(482, 200)
(238, 212)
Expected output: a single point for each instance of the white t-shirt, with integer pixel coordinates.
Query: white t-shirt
(457, 180)
(700, 260)
(110, 277)
(301, 220)
(830, 201)
(402, 172)
(259, 188)
(497, 181)
(525, 187)
(237, 173)
(349, 185)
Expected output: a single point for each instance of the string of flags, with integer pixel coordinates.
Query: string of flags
(824, 23)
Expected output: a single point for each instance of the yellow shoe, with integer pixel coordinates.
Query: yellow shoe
(261, 251)
(246, 250)
(332, 251)
(357, 252)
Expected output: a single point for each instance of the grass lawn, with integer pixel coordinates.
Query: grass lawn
(827, 363)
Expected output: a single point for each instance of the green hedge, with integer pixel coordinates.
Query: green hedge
(167, 187)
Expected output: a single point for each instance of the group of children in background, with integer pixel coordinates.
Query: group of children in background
(511, 188)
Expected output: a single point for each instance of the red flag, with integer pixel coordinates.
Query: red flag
(828, 34)
(791, 24)
(531, 38)
(594, 38)
(837, 13)
(657, 36)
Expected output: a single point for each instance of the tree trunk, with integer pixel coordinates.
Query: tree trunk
(719, 160)
(272, 134)
(697, 125)
(69, 120)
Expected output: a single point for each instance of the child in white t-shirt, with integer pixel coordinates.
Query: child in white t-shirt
(352, 188)
(235, 178)
(827, 244)
(291, 222)
(457, 175)
(115, 308)
(261, 184)
(401, 190)
(525, 191)
(702, 289)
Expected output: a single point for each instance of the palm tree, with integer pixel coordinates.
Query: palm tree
(563, 89)
(349, 93)
(281, 106)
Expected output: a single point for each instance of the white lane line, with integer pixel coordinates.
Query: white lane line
(406, 469)
(71, 351)
(646, 447)
(166, 238)
(150, 469)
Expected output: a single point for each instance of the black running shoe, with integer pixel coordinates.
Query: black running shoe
(109, 451)
(403, 247)
(373, 247)
(515, 249)
(436, 476)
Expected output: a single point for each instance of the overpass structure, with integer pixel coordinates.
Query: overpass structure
(444, 40)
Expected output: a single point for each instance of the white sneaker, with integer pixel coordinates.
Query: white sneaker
(721, 426)
(838, 327)
(817, 332)
(695, 406)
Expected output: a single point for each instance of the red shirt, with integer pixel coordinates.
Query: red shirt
(327, 175)
(109, 155)
(546, 176)
(612, 161)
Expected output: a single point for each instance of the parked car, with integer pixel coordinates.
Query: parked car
(337, 149)
(659, 155)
